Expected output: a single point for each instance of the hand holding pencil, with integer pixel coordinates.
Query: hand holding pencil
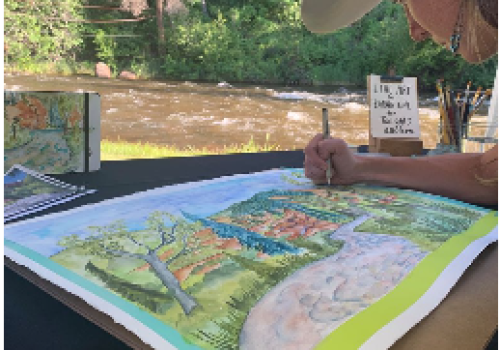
(332, 153)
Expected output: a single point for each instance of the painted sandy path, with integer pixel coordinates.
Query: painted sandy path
(307, 306)
(55, 152)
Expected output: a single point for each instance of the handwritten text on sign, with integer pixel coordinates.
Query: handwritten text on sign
(393, 108)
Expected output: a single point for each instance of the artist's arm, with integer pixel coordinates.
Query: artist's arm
(451, 175)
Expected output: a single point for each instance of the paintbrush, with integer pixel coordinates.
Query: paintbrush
(458, 122)
(450, 116)
(476, 96)
(442, 113)
(326, 135)
(465, 109)
(478, 104)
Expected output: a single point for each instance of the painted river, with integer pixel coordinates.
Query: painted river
(207, 115)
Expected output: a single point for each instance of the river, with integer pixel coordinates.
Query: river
(185, 114)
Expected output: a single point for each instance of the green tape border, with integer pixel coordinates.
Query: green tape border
(164, 331)
(356, 331)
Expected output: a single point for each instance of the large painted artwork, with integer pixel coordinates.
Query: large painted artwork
(45, 131)
(260, 261)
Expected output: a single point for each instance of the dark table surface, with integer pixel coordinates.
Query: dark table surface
(34, 319)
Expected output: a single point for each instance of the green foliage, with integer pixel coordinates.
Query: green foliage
(328, 246)
(426, 223)
(105, 48)
(430, 62)
(14, 134)
(153, 300)
(40, 31)
(254, 41)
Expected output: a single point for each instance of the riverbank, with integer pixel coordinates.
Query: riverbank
(143, 72)
(120, 150)
(60, 68)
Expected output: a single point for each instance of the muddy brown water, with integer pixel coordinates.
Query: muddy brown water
(185, 114)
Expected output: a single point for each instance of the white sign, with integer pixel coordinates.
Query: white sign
(394, 108)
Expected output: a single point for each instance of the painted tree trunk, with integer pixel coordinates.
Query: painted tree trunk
(167, 277)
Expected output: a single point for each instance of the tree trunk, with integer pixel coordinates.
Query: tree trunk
(204, 8)
(167, 277)
(161, 28)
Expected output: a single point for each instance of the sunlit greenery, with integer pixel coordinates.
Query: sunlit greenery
(120, 150)
(237, 40)
(39, 32)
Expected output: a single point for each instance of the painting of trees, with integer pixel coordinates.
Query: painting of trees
(117, 240)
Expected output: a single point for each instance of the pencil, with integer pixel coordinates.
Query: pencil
(326, 134)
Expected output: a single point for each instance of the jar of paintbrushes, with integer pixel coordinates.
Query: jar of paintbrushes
(457, 128)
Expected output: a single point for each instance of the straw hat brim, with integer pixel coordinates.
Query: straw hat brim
(326, 16)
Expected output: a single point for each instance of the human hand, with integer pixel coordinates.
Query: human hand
(344, 162)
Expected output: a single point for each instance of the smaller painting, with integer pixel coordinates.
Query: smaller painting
(26, 191)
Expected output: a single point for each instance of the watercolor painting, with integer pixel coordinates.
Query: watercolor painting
(26, 191)
(44, 131)
(261, 261)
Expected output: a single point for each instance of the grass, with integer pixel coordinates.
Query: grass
(121, 150)
(62, 68)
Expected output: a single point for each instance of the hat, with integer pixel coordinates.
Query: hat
(326, 16)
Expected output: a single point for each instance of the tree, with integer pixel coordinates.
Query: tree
(160, 27)
(115, 240)
(37, 31)
(15, 124)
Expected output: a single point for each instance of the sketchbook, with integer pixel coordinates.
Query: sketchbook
(259, 261)
(52, 132)
(26, 192)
